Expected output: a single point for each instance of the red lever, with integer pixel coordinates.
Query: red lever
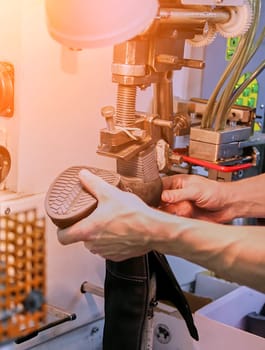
(209, 165)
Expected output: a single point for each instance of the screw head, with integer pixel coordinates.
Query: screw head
(107, 111)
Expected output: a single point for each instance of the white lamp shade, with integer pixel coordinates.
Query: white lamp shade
(82, 24)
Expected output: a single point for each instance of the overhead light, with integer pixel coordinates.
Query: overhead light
(80, 24)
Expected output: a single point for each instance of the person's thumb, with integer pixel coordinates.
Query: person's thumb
(95, 185)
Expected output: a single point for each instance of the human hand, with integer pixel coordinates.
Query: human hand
(118, 227)
(195, 196)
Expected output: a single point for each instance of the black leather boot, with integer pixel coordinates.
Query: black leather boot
(127, 303)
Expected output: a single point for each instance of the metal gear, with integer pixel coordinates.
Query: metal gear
(204, 39)
(239, 23)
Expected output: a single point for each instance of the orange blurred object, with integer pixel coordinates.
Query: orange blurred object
(6, 89)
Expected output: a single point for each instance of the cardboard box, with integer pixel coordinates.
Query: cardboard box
(221, 323)
(207, 285)
(170, 331)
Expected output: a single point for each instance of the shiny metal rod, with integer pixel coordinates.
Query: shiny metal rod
(88, 287)
(187, 16)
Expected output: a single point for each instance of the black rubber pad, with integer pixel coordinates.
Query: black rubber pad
(67, 201)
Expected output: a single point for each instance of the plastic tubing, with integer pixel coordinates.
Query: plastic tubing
(209, 115)
(242, 87)
(257, 44)
(222, 109)
(257, 71)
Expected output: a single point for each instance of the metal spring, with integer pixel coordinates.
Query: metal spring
(125, 111)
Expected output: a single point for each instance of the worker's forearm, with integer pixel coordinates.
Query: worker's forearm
(246, 197)
(235, 253)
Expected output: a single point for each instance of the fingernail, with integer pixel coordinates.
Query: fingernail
(83, 173)
(165, 196)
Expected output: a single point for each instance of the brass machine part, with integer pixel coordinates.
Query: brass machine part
(149, 59)
(182, 124)
(123, 142)
(108, 113)
(6, 89)
(242, 114)
(193, 16)
(22, 273)
(140, 175)
(5, 163)
(213, 145)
